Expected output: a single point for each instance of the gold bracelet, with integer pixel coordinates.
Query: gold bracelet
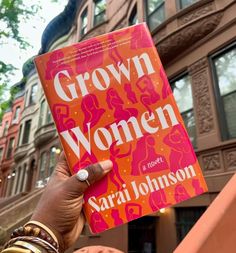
(27, 245)
(35, 240)
(44, 227)
(15, 250)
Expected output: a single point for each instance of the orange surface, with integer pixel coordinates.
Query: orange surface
(215, 231)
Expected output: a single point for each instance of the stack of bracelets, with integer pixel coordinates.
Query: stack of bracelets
(33, 237)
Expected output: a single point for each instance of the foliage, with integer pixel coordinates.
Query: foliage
(11, 13)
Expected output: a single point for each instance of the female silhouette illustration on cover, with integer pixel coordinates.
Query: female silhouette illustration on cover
(144, 157)
(115, 103)
(92, 111)
(61, 115)
(115, 174)
(149, 95)
(182, 153)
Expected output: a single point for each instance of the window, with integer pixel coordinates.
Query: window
(1, 154)
(155, 13)
(41, 114)
(182, 91)
(22, 183)
(33, 92)
(26, 97)
(26, 132)
(185, 3)
(145, 230)
(5, 128)
(186, 217)
(16, 115)
(10, 148)
(52, 160)
(49, 116)
(84, 22)
(99, 11)
(43, 164)
(224, 65)
(19, 136)
(133, 19)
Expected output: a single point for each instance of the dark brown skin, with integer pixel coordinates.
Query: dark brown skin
(60, 207)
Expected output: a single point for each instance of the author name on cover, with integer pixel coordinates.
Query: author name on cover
(139, 189)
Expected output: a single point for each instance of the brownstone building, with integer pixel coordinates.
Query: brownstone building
(196, 41)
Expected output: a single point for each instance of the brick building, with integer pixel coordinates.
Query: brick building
(197, 45)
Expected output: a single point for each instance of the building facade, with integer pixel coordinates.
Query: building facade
(196, 42)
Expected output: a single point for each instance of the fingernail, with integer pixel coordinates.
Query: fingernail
(106, 165)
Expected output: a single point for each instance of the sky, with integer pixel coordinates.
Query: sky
(32, 31)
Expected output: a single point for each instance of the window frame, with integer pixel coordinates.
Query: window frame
(133, 13)
(10, 148)
(52, 157)
(26, 98)
(179, 224)
(24, 133)
(83, 14)
(173, 80)
(1, 153)
(180, 7)
(16, 116)
(19, 135)
(218, 98)
(42, 111)
(94, 15)
(31, 102)
(149, 14)
(43, 155)
(5, 129)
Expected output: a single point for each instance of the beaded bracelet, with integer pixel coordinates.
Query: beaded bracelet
(36, 232)
(45, 228)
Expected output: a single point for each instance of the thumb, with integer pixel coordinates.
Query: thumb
(74, 185)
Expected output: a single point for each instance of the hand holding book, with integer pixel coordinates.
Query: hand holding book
(60, 207)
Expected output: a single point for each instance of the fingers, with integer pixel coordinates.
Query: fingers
(95, 173)
(62, 166)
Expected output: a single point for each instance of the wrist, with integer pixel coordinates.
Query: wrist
(49, 233)
(34, 237)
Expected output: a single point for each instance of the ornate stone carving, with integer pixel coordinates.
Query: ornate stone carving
(197, 66)
(173, 44)
(202, 101)
(211, 162)
(159, 35)
(230, 159)
(196, 13)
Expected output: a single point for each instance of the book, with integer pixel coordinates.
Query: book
(110, 99)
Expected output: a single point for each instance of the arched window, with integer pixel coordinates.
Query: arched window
(133, 18)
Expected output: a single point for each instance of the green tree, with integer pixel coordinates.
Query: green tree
(11, 13)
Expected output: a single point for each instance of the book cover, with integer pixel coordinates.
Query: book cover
(110, 99)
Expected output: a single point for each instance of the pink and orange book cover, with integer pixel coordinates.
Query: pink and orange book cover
(110, 99)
